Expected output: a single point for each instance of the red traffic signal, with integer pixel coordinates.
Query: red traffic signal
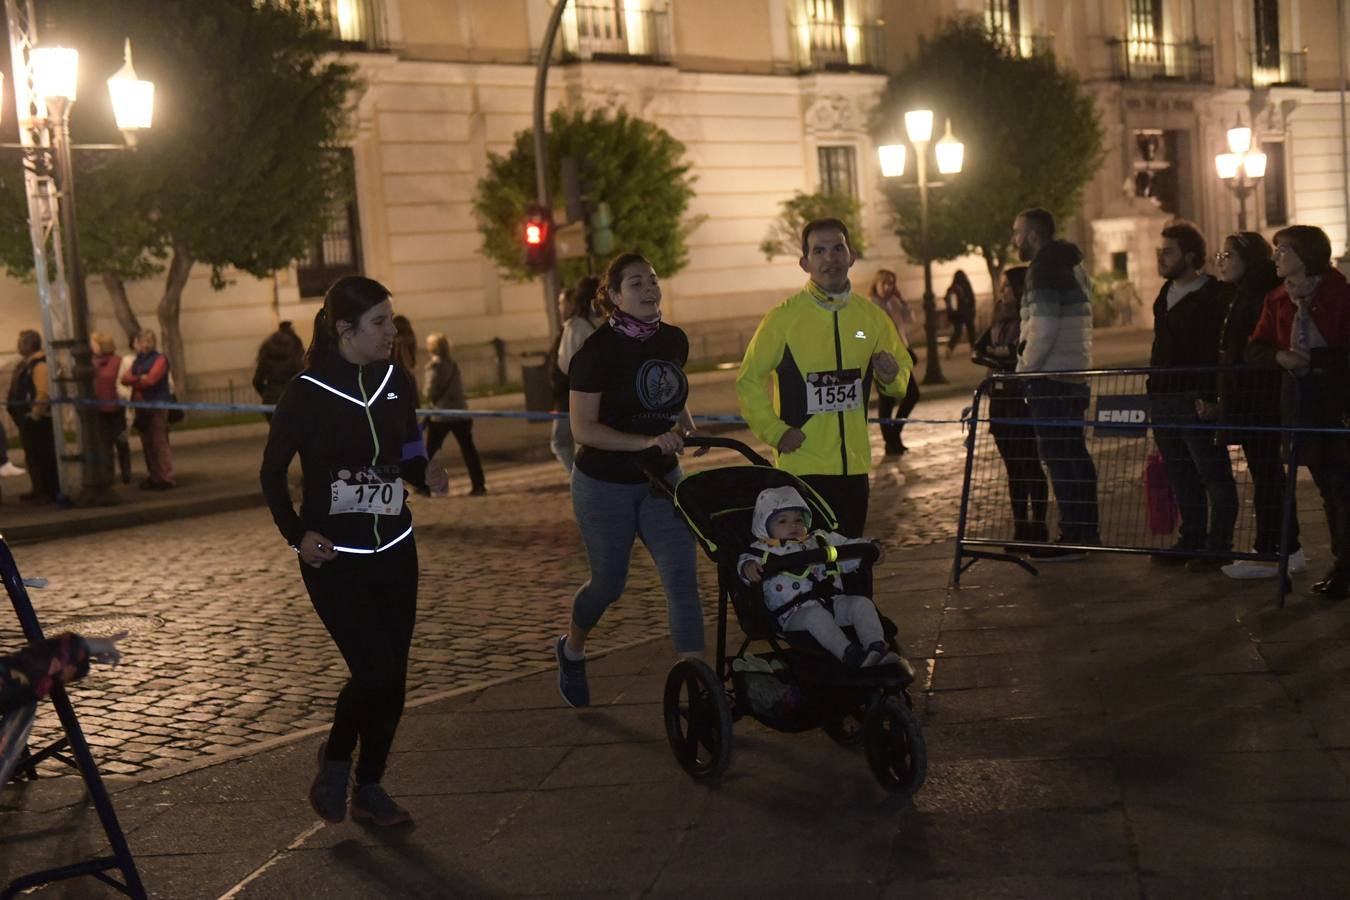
(537, 239)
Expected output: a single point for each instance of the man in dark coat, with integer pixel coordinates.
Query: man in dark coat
(1187, 319)
(280, 358)
(29, 405)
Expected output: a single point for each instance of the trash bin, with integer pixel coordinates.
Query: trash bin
(538, 388)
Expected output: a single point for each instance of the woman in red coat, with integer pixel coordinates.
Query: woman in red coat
(1305, 330)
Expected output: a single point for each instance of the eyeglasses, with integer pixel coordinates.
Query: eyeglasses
(1281, 250)
(1223, 256)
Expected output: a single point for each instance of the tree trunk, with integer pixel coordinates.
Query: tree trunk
(126, 316)
(171, 336)
(995, 266)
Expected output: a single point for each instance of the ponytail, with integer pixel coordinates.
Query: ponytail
(324, 343)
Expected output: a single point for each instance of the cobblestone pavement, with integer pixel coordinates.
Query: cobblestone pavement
(225, 650)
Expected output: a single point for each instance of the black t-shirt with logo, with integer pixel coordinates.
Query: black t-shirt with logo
(642, 389)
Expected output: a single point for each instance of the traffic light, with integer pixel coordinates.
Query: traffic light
(537, 239)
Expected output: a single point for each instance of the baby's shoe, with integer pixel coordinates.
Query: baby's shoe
(879, 655)
(855, 657)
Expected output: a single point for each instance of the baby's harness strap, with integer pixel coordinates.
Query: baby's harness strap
(822, 590)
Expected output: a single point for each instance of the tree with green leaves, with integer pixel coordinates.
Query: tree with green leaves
(631, 164)
(785, 234)
(239, 171)
(1030, 132)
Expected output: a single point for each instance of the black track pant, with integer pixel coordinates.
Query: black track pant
(462, 429)
(368, 603)
(1262, 449)
(1333, 483)
(887, 405)
(1027, 487)
(39, 454)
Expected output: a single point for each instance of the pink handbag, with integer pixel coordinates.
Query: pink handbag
(1160, 502)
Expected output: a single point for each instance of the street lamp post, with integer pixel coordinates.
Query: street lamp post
(950, 155)
(1241, 168)
(54, 77)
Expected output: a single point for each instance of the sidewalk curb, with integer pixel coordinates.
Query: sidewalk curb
(127, 516)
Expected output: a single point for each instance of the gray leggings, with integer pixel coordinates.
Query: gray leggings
(849, 609)
(611, 516)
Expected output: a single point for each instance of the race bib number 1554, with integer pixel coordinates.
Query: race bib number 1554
(836, 391)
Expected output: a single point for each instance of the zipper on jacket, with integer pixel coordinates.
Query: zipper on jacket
(370, 420)
(839, 366)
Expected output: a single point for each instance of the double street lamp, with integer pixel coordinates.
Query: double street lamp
(1241, 167)
(950, 155)
(54, 77)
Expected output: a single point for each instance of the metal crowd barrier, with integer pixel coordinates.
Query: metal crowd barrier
(1117, 417)
(17, 756)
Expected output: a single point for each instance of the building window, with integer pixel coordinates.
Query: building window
(1003, 17)
(838, 170)
(337, 252)
(1159, 160)
(1272, 65)
(1266, 34)
(617, 29)
(1146, 21)
(358, 24)
(1273, 184)
(834, 35)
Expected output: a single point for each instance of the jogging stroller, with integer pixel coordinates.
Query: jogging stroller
(795, 685)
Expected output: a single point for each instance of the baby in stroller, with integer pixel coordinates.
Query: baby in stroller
(813, 600)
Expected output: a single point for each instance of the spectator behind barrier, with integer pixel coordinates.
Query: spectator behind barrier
(1248, 400)
(580, 318)
(886, 295)
(445, 390)
(960, 303)
(1305, 330)
(1010, 418)
(112, 416)
(1187, 319)
(281, 357)
(1057, 337)
(29, 404)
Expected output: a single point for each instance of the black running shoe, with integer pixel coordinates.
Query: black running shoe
(571, 677)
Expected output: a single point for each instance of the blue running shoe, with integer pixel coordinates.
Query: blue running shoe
(571, 677)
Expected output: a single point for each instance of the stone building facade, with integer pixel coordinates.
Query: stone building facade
(769, 97)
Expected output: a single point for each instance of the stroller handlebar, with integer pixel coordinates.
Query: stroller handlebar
(868, 553)
(653, 453)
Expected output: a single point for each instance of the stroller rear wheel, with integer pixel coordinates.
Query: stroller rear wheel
(895, 748)
(698, 719)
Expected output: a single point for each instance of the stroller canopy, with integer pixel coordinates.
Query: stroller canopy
(719, 505)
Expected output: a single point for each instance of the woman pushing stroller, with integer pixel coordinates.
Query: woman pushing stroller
(814, 600)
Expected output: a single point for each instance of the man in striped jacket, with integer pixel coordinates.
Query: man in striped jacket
(1057, 337)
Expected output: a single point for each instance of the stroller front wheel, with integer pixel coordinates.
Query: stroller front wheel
(895, 748)
(698, 719)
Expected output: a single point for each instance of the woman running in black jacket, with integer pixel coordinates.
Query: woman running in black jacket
(351, 415)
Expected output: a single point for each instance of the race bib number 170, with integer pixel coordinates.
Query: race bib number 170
(372, 489)
(837, 391)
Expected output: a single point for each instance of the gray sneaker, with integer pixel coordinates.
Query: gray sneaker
(372, 805)
(328, 793)
(571, 677)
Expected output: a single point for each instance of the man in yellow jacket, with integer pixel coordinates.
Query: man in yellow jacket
(808, 373)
